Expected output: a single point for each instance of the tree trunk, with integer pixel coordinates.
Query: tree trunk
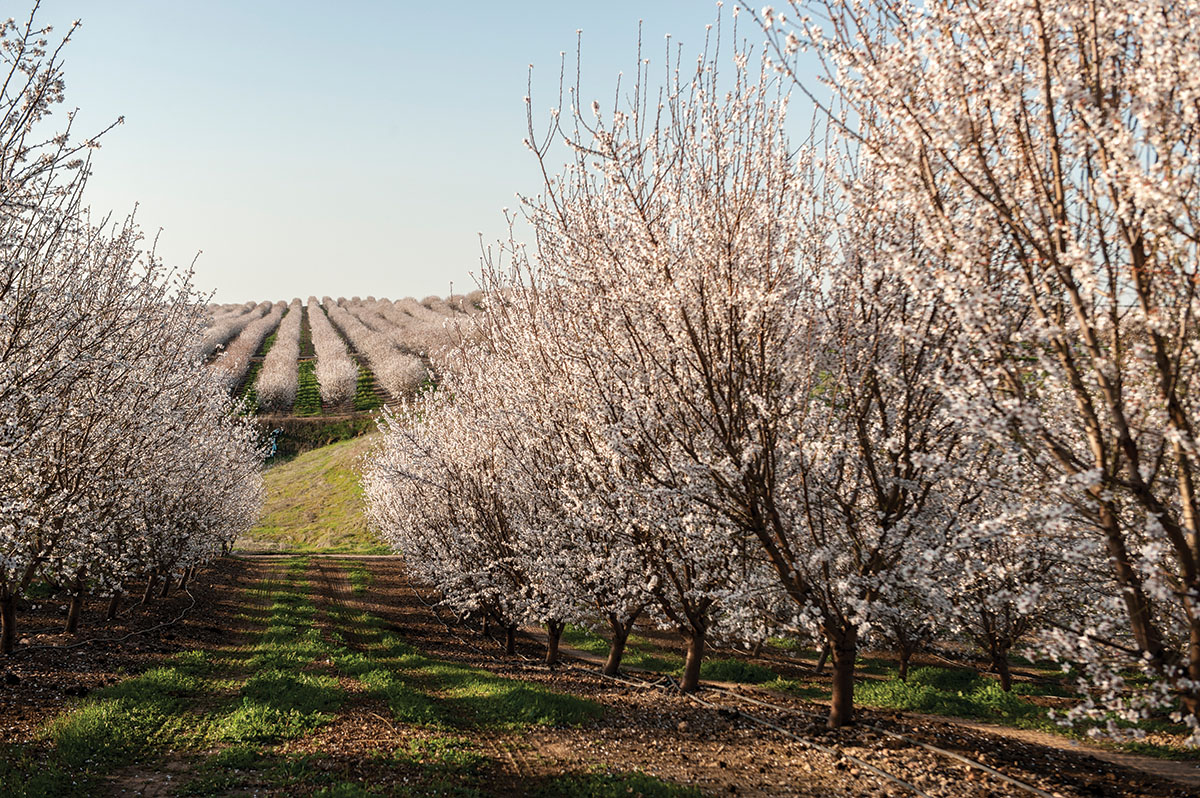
(691, 666)
(821, 660)
(1191, 698)
(554, 630)
(187, 577)
(616, 648)
(73, 611)
(114, 604)
(487, 626)
(76, 606)
(8, 623)
(166, 585)
(905, 655)
(149, 594)
(758, 647)
(510, 639)
(1000, 664)
(845, 650)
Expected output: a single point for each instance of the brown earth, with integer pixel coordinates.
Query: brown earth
(660, 733)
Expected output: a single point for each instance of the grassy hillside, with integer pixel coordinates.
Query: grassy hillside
(314, 503)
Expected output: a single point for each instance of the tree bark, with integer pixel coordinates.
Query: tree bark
(821, 660)
(8, 623)
(1000, 664)
(691, 666)
(186, 578)
(616, 647)
(845, 651)
(75, 607)
(166, 585)
(510, 639)
(1191, 698)
(149, 594)
(114, 604)
(905, 656)
(554, 630)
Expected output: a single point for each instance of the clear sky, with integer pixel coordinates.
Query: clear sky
(349, 148)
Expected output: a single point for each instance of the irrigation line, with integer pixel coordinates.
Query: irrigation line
(896, 735)
(672, 686)
(122, 638)
(813, 744)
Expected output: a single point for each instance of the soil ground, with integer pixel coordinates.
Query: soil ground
(364, 740)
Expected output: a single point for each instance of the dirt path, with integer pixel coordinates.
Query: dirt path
(1186, 773)
(358, 649)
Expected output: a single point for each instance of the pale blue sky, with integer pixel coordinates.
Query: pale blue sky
(334, 148)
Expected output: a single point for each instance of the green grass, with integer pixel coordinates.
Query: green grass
(645, 654)
(360, 578)
(584, 640)
(132, 717)
(315, 503)
(427, 691)
(735, 670)
(249, 394)
(365, 396)
(308, 391)
(125, 722)
(956, 693)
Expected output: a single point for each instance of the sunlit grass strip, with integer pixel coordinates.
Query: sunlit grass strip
(284, 699)
(359, 576)
(125, 723)
(308, 393)
(428, 691)
(118, 724)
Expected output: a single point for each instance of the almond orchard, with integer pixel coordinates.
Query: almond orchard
(822, 426)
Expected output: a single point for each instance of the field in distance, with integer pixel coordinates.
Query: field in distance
(330, 357)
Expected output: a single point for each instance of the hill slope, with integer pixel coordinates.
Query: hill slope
(315, 503)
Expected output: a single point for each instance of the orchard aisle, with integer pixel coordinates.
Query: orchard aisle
(332, 676)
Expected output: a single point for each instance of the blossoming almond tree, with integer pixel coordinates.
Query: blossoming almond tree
(226, 326)
(433, 491)
(753, 367)
(234, 363)
(1047, 149)
(397, 371)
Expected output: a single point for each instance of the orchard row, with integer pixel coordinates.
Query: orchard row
(392, 340)
(932, 371)
(121, 454)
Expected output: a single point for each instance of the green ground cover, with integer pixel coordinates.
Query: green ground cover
(445, 701)
(365, 395)
(308, 390)
(315, 503)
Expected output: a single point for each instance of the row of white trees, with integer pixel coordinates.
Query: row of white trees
(278, 379)
(227, 323)
(396, 370)
(930, 374)
(232, 365)
(121, 455)
(337, 373)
